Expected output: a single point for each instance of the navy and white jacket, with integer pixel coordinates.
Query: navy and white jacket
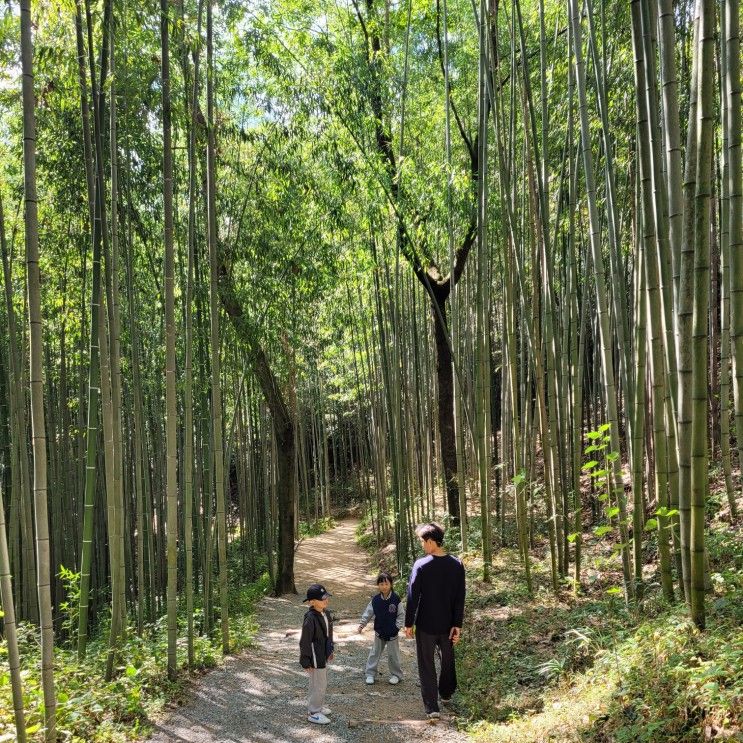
(316, 642)
(388, 615)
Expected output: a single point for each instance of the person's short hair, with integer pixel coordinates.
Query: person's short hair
(431, 530)
(384, 576)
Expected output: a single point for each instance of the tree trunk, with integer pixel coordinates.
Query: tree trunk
(283, 425)
(445, 383)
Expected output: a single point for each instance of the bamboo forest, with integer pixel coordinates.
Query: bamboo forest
(283, 280)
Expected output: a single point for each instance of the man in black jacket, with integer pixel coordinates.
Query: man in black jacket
(435, 607)
(316, 651)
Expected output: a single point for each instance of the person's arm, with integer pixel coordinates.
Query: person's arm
(458, 615)
(413, 599)
(400, 620)
(305, 643)
(366, 616)
(330, 635)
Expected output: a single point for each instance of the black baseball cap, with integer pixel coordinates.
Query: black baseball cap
(318, 592)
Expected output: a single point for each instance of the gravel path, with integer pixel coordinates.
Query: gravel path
(260, 696)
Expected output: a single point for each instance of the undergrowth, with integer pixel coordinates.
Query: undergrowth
(590, 669)
(316, 527)
(90, 709)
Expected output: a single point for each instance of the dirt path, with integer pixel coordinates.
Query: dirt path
(261, 694)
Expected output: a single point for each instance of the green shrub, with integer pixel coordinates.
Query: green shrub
(92, 710)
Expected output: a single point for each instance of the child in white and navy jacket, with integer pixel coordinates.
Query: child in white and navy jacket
(388, 621)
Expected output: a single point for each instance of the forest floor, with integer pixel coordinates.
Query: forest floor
(260, 695)
(542, 668)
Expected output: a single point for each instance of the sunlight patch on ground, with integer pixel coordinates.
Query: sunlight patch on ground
(568, 714)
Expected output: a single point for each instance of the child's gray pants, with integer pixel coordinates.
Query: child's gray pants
(318, 686)
(393, 656)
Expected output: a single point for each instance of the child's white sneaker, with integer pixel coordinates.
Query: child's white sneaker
(326, 710)
(394, 680)
(370, 679)
(318, 718)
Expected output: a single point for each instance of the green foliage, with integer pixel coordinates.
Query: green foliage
(600, 471)
(365, 537)
(91, 709)
(70, 606)
(315, 528)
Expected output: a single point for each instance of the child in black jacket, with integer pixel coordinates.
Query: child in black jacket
(316, 651)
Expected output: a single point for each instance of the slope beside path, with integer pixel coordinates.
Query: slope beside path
(260, 695)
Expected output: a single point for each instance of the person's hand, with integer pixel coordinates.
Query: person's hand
(331, 656)
(455, 635)
(309, 670)
(409, 633)
(360, 629)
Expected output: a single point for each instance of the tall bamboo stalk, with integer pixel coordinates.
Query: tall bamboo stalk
(700, 371)
(38, 428)
(171, 443)
(725, 264)
(9, 627)
(732, 94)
(216, 388)
(607, 361)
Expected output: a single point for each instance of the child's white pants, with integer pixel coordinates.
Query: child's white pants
(393, 656)
(318, 687)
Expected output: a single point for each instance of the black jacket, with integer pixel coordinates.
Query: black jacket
(316, 643)
(436, 594)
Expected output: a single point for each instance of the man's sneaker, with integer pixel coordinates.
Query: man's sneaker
(318, 718)
(394, 680)
(446, 700)
(434, 715)
(326, 710)
(370, 679)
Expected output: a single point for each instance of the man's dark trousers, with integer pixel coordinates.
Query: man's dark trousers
(425, 645)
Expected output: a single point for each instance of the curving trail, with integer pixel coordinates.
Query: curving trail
(260, 695)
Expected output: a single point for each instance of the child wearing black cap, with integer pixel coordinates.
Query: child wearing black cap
(316, 651)
(388, 621)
